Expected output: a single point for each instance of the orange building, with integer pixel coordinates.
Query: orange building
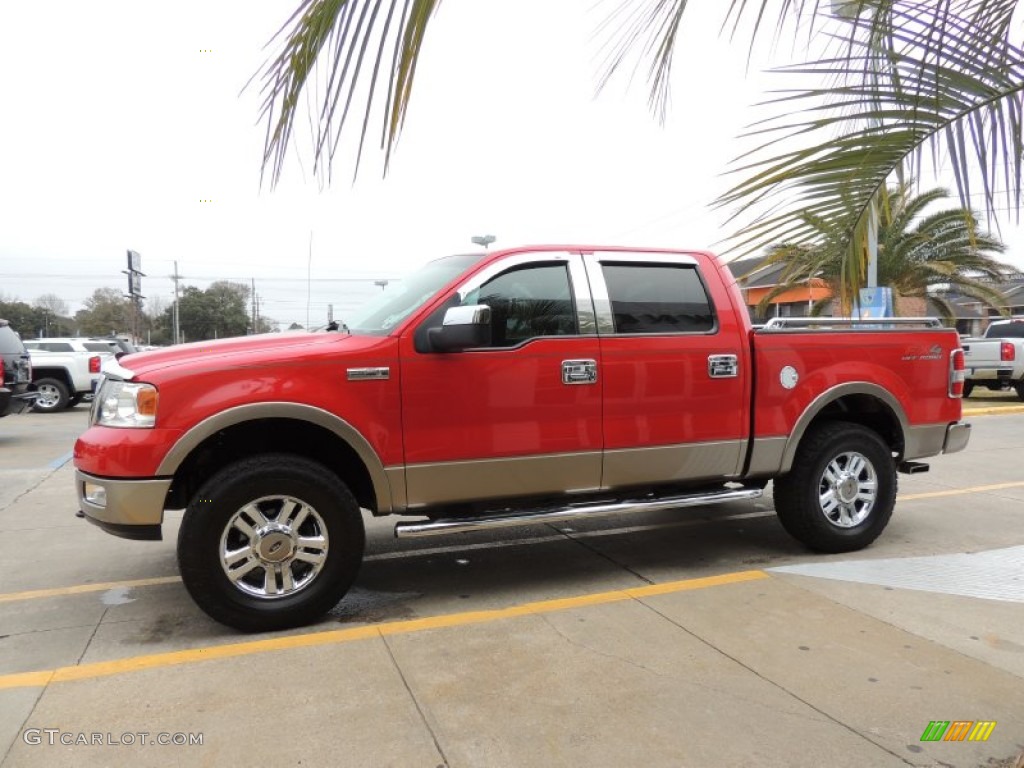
(757, 280)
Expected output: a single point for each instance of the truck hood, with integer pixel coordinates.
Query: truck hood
(243, 351)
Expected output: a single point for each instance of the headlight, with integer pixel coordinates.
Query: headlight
(125, 404)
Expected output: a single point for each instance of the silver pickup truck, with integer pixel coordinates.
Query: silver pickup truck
(996, 360)
(65, 370)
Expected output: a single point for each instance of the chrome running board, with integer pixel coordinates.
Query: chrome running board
(414, 528)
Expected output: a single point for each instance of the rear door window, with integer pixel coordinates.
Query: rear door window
(658, 298)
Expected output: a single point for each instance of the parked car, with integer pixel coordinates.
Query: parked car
(15, 372)
(120, 347)
(509, 388)
(66, 370)
(996, 360)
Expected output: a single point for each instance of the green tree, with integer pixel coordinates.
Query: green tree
(156, 322)
(214, 313)
(265, 324)
(31, 321)
(917, 251)
(20, 315)
(106, 311)
(52, 315)
(899, 77)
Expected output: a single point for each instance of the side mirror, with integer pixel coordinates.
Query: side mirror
(462, 328)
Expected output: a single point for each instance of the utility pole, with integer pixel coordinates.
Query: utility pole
(254, 305)
(177, 327)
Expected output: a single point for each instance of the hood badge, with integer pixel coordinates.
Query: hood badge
(369, 374)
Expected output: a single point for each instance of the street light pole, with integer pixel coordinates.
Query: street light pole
(849, 11)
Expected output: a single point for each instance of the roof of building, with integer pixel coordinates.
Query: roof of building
(752, 272)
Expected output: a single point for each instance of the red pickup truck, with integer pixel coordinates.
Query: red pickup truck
(497, 389)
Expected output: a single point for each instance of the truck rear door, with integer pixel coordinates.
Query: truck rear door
(674, 360)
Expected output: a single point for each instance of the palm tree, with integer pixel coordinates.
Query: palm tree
(916, 251)
(900, 77)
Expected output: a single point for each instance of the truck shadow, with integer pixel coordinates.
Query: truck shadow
(462, 572)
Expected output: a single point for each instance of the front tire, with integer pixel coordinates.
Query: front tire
(270, 542)
(840, 494)
(53, 396)
(968, 388)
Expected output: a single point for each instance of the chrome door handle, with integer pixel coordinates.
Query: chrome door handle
(723, 366)
(579, 371)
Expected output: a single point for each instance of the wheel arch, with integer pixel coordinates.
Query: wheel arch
(860, 403)
(60, 374)
(304, 430)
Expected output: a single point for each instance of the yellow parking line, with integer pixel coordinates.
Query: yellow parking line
(79, 589)
(960, 491)
(43, 678)
(992, 410)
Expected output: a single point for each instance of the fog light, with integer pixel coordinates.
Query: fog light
(95, 494)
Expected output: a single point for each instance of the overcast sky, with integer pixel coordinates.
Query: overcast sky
(117, 125)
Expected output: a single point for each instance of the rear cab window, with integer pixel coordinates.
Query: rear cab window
(1010, 330)
(652, 298)
(49, 346)
(98, 346)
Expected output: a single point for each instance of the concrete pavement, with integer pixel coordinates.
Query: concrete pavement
(662, 640)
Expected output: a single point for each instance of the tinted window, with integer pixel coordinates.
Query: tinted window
(658, 298)
(1014, 330)
(527, 302)
(98, 346)
(9, 341)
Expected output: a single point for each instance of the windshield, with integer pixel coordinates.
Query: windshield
(399, 299)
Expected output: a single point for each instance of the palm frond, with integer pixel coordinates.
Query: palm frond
(346, 37)
(971, 106)
(917, 251)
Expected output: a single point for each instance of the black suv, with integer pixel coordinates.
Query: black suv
(15, 372)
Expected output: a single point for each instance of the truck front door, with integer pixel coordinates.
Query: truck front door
(520, 417)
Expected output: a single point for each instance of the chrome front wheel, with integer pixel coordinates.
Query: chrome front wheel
(274, 547)
(270, 542)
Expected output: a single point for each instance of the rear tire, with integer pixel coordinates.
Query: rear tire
(1019, 386)
(285, 528)
(53, 396)
(840, 494)
(968, 388)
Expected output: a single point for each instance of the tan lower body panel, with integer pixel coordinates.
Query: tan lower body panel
(455, 481)
(673, 463)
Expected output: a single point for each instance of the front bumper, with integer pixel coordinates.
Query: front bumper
(957, 435)
(131, 509)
